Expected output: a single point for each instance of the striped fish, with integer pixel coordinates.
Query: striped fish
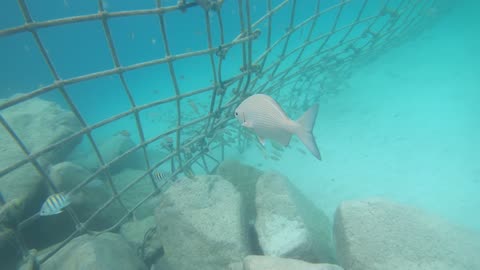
(160, 176)
(54, 204)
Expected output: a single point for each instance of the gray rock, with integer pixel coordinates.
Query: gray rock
(105, 251)
(201, 225)
(67, 175)
(38, 123)
(235, 266)
(134, 231)
(142, 236)
(288, 224)
(244, 178)
(85, 201)
(95, 194)
(111, 149)
(378, 234)
(276, 263)
(136, 193)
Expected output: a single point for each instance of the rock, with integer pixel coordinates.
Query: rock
(67, 175)
(111, 149)
(29, 261)
(134, 231)
(143, 237)
(201, 225)
(38, 124)
(105, 251)
(276, 263)
(235, 266)
(137, 192)
(85, 201)
(288, 224)
(244, 178)
(91, 197)
(378, 234)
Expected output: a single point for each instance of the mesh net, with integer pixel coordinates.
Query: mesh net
(276, 47)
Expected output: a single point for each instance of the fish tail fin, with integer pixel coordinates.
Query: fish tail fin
(307, 122)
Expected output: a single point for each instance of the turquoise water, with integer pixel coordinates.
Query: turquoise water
(405, 125)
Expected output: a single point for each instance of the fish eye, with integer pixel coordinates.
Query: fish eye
(236, 113)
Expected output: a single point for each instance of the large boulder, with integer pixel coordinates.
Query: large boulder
(67, 175)
(87, 200)
(103, 252)
(288, 224)
(276, 263)
(142, 236)
(111, 149)
(136, 192)
(38, 123)
(377, 234)
(244, 179)
(201, 225)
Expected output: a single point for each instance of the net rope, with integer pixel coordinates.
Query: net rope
(324, 65)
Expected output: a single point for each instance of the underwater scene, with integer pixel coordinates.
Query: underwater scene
(239, 135)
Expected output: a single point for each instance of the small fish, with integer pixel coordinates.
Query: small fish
(123, 132)
(54, 204)
(276, 153)
(276, 158)
(264, 116)
(160, 176)
(277, 146)
(194, 106)
(301, 151)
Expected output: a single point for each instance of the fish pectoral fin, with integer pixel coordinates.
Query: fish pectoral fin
(261, 140)
(247, 124)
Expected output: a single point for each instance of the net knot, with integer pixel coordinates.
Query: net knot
(221, 52)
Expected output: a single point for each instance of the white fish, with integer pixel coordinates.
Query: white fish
(266, 118)
(54, 204)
